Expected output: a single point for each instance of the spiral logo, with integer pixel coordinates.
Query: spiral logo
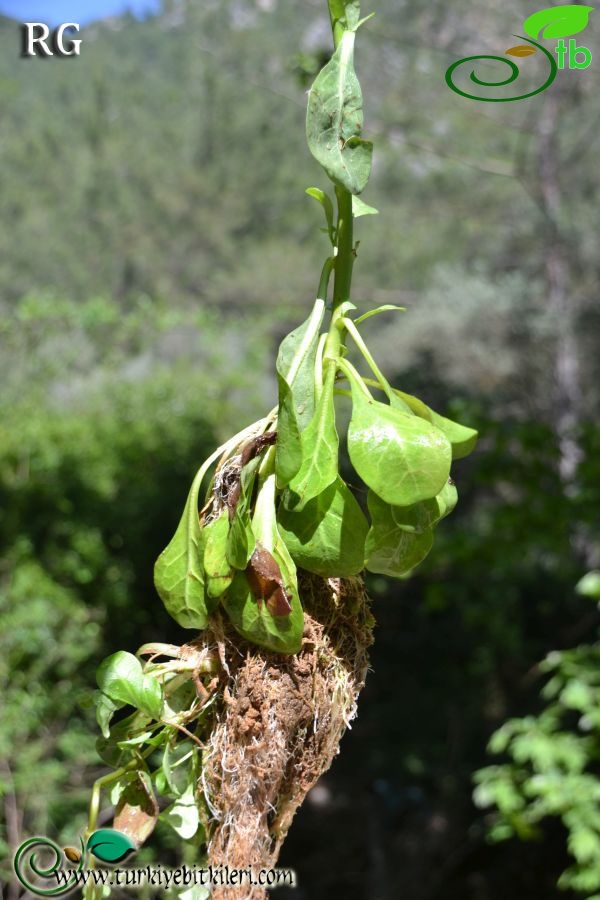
(514, 74)
(29, 869)
(555, 22)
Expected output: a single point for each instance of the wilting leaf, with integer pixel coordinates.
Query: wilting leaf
(253, 619)
(390, 548)
(217, 568)
(295, 376)
(328, 535)
(557, 21)
(334, 120)
(109, 845)
(319, 449)
(401, 457)
(137, 810)
(360, 208)
(281, 634)
(179, 570)
(183, 816)
(121, 678)
(266, 581)
(521, 50)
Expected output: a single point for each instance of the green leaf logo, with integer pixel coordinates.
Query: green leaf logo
(558, 21)
(109, 845)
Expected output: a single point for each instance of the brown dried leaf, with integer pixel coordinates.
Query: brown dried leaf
(72, 854)
(266, 581)
(521, 50)
(137, 810)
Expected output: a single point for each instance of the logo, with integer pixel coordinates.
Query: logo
(548, 24)
(35, 37)
(106, 844)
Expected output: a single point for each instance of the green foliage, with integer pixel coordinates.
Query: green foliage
(552, 767)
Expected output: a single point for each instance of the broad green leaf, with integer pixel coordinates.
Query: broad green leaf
(390, 549)
(334, 120)
(179, 570)
(360, 208)
(557, 21)
(105, 710)
(136, 812)
(217, 568)
(328, 535)
(401, 457)
(322, 198)
(109, 845)
(446, 500)
(295, 376)
(121, 678)
(320, 446)
(387, 307)
(183, 815)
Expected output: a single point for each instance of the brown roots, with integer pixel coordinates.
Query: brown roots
(279, 725)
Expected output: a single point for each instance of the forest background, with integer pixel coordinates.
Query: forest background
(156, 245)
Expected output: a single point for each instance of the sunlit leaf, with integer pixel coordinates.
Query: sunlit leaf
(401, 457)
(183, 815)
(334, 120)
(121, 678)
(217, 569)
(360, 208)
(387, 307)
(319, 449)
(295, 376)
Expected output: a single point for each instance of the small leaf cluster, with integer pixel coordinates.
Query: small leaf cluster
(553, 761)
(152, 749)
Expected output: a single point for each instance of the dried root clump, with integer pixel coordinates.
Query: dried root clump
(279, 725)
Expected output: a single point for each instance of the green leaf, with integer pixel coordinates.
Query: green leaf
(557, 21)
(295, 376)
(360, 208)
(379, 309)
(217, 568)
(320, 446)
(322, 198)
(241, 540)
(589, 585)
(183, 815)
(401, 457)
(121, 678)
(109, 845)
(179, 570)
(328, 535)
(177, 766)
(334, 121)
(390, 548)
(250, 616)
(345, 11)
(280, 634)
(105, 709)
(462, 438)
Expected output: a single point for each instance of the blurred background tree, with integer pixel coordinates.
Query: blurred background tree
(156, 245)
